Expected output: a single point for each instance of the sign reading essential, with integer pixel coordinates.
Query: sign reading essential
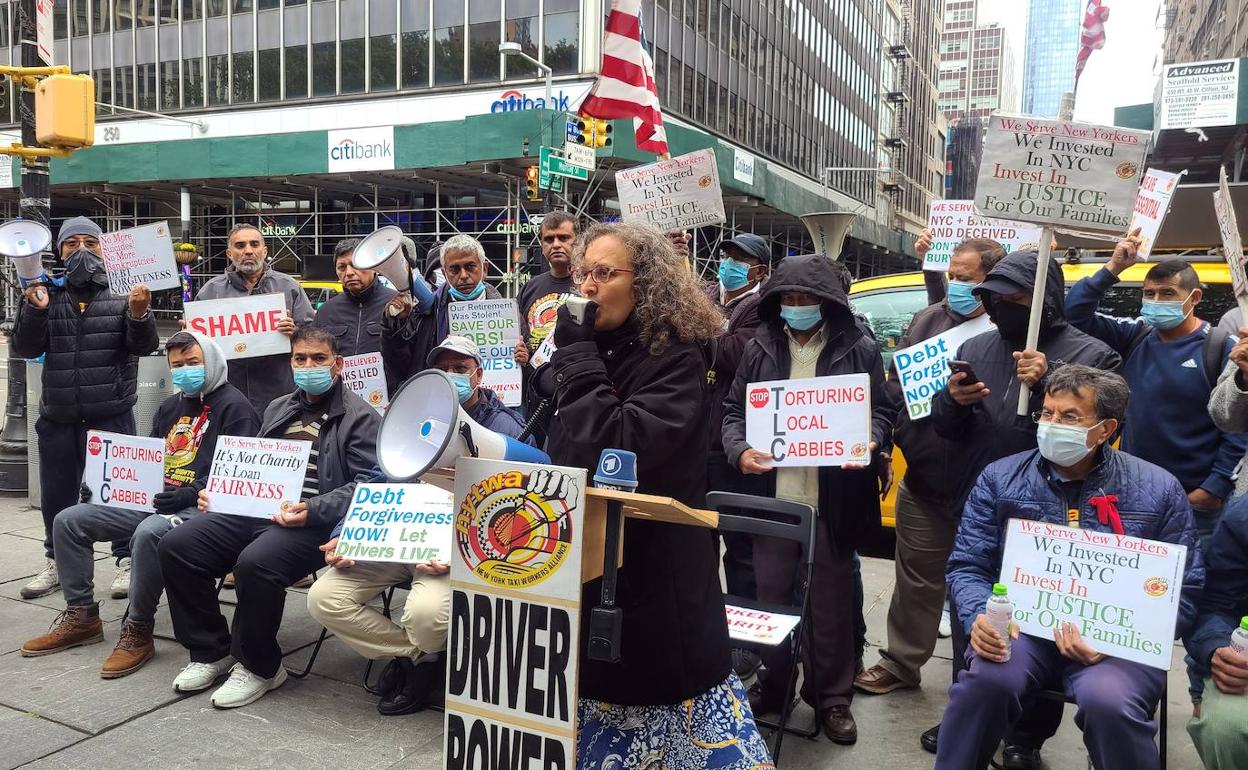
(365, 376)
(1121, 591)
(1152, 203)
(361, 149)
(1201, 94)
(254, 476)
(494, 324)
(244, 327)
(824, 421)
(1049, 172)
(1232, 246)
(952, 222)
(923, 368)
(123, 471)
(673, 194)
(140, 255)
(407, 523)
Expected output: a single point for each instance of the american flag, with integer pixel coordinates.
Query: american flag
(1092, 38)
(626, 88)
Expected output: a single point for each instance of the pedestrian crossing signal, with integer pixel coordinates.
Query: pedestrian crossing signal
(594, 132)
(530, 183)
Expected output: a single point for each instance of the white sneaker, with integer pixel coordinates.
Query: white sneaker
(43, 584)
(244, 687)
(200, 676)
(944, 631)
(120, 588)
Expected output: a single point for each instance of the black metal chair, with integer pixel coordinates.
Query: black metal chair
(769, 517)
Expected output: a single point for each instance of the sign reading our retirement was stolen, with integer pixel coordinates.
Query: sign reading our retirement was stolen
(823, 421)
(514, 636)
(923, 368)
(1067, 175)
(407, 523)
(673, 194)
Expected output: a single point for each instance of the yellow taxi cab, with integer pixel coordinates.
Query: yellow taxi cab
(888, 302)
(319, 292)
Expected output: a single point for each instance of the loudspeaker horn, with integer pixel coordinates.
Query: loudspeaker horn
(425, 428)
(24, 241)
(827, 229)
(392, 254)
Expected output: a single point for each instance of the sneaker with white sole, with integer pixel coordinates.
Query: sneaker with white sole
(944, 630)
(200, 676)
(244, 687)
(44, 583)
(120, 589)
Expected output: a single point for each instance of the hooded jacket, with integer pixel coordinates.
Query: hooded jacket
(92, 346)
(406, 342)
(356, 321)
(263, 378)
(729, 348)
(849, 501)
(992, 428)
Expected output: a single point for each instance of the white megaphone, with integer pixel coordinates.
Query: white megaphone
(392, 254)
(827, 229)
(425, 428)
(24, 241)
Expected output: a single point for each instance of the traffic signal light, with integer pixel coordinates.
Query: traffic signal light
(530, 183)
(65, 111)
(594, 132)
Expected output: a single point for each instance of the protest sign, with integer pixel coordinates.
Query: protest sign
(407, 523)
(494, 324)
(672, 194)
(515, 569)
(952, 222)
(244, 327)
(140, 255)
(544, 351)
(1152, 203)
(365, 376)
(1232, 246)
(1121, 591)
(822, 421)
(748, 625)
(123, 471)
(923, 368)
(254, 476)
(1053, 172)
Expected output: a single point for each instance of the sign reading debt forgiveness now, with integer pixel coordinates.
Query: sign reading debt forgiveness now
(407, 523)
(822, 421)
(923, 368)
(494, 324)
(244, 327)
(123, 471)
(1069, 175)
(140, 255)
(254, 476)
(673, 194)
(514, 640)
(952, 222)
(1121, 591)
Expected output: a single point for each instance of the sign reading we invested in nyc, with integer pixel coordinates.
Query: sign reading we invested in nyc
(1068, 175)
(514, 637)
(673, 194)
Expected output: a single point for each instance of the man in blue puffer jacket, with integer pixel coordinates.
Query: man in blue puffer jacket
(1083, 409)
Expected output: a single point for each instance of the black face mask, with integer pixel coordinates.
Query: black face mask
(1011, 319)
(83, 267)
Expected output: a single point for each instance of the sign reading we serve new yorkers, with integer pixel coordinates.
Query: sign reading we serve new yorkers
(254, 476)
(952, 222)
(514, 636)
(923, 368)
(673, 194)
(1068, 175)
(1122, 592)
(824, 421)
(140, 255)
(406, 523)
(123, 471)
(244, 327)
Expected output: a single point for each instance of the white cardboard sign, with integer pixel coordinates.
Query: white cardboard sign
(140, 255)
(1121, 591)
(1203, 94)
(824, 421)
(494, 324)
(952, 222)
(254, 476)
(769, 628)
(365, 376)
(673, 194)
(123, 471)
(406, 523)
(1152, 203)
(1232, 246)
(244, 327)
(923, 368)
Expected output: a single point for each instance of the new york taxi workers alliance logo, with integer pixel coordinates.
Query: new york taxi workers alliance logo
(514, 529)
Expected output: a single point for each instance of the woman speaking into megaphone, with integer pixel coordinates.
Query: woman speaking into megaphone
(630, 373)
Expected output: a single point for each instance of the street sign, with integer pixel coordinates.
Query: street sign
(579, 154)
(545, 179)
(573, 128)
(553, 162)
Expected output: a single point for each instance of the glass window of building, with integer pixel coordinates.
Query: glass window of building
(243, 90)
(103, 90)
(170, 83)
(78, 14)
(382, 61)
(353, 66)
(123, 14)
(242, 6)
(218, 80)
(483, 39)
(324, 59)
(268, 5)
(448, 42)
(414, 37)
(146, 87)
(562, 36)
(216, 7)
(123, 86)
(522, 27)
(269, 77)
(191, 10)
(192, 82)
(297, 72)
(144, 13)
(60, 19)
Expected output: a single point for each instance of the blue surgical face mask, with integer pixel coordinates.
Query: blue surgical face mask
(459, 295)
(314, 380)
(188, 379)
(1063, 445)
(463, 385)
(961, 300)
(733, 274)
(1164, 315)
(802, 317)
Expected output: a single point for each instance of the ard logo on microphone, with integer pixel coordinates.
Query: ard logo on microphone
(759, 398)
(514, 529)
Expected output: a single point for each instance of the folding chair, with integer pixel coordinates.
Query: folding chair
(769, 517)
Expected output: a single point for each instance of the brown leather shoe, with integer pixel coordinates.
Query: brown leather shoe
(878, 680)
(134, 648)
(74, 627)
(839, 725)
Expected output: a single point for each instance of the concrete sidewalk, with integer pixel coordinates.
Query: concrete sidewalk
(56, 712)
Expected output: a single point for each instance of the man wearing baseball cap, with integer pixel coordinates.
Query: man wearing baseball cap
(460, 359)
(91, 340)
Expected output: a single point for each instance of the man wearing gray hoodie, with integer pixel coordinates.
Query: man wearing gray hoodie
(206, 406)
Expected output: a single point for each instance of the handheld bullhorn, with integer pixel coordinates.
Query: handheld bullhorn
(392, 254)
(24, 241)
(827, 229)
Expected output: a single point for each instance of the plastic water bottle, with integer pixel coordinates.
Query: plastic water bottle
(1000, 612)
(1239, 638)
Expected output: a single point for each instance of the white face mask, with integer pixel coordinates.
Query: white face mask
(1063, 445)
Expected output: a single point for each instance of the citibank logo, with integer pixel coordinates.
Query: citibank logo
(349, 149)
(514, 101)
(361, 149)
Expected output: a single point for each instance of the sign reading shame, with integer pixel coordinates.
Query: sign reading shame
(245, 327)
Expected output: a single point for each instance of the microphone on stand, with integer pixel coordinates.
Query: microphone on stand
(617, 470)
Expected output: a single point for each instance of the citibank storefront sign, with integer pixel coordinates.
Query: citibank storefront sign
(361, 149)
(514, 101)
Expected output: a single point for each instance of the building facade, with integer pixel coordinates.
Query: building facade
(1053, 28)
(1200, 30)
(977, 75)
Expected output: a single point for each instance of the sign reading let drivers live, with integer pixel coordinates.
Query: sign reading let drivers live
(818, 421)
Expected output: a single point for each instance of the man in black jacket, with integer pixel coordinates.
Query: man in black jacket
(92, 339)
(354, 316)
(267, 556)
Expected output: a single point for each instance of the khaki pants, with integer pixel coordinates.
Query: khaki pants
(339, 600)
(1221, 731)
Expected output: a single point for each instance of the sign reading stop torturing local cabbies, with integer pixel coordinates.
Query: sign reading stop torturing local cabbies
(817, 421)
(244, 327)
(123, 471)
(1068, 175)
(514, 639)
